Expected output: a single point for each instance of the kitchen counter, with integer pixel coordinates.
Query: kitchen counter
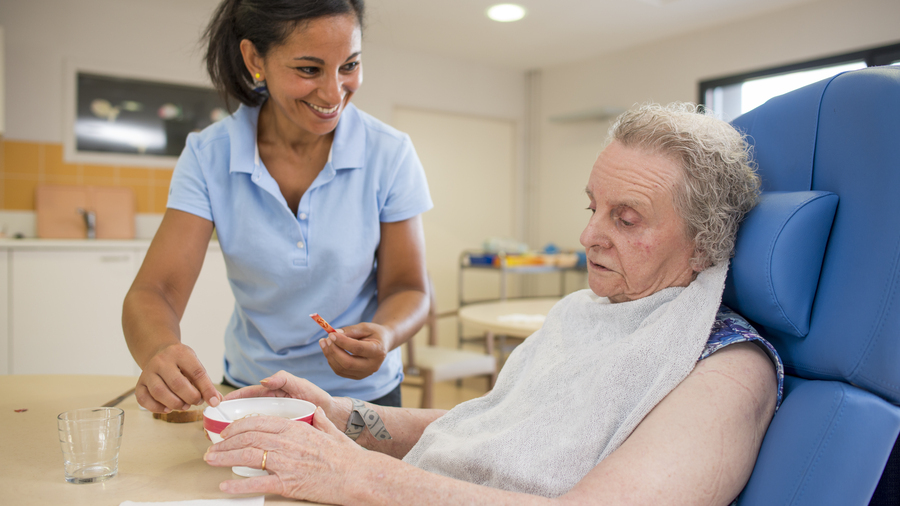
(81, 244)
(105, 244)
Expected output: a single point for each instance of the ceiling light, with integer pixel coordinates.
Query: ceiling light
(506, 12)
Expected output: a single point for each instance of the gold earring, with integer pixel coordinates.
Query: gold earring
(259, 85)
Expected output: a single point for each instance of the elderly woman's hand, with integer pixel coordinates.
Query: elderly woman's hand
(303, 461)
(285, 384)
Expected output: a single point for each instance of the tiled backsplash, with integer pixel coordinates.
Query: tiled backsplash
(24, 165)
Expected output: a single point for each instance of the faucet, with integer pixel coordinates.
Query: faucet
(90, 222)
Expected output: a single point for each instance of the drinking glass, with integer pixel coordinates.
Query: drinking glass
(90, 439)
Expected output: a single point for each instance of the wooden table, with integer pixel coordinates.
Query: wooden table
(493, 317)
(158, 461)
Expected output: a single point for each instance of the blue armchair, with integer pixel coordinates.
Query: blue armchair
(817, 270)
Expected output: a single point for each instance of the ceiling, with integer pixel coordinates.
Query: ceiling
(553, 32)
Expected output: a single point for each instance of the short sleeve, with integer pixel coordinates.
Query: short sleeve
(188, 190)
(731, 328)
(408, 194)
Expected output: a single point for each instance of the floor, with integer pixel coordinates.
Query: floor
(446, 393)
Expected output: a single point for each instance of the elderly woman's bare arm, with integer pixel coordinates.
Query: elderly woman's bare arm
(697, 447)
(405, 425)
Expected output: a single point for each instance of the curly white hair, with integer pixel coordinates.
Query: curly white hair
(719, 184)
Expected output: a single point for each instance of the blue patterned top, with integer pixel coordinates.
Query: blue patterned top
(730, 328)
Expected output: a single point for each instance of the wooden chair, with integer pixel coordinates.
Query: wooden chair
(433, 363)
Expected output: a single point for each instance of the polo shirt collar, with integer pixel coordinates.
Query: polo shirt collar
(349, 146)
(242, 134)
(348, 150)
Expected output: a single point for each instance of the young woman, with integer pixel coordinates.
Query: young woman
(316, 206)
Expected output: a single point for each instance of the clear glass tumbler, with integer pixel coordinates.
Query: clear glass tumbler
(90, 440)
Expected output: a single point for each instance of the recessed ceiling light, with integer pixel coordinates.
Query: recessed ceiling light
(506, 12)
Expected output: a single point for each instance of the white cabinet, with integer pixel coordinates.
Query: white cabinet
(66, 308)
(61, 308)
(207, 314)
(4, 311)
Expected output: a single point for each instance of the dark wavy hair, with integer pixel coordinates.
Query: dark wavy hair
(265, 23)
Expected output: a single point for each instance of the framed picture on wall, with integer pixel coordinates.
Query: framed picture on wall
(130, 120)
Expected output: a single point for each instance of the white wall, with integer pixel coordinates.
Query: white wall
(160, 38)
(2, 81)
(470, 163)
(155, 38)
(402, 78)
(670, 70)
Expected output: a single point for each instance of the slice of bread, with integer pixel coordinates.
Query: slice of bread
(178, 416)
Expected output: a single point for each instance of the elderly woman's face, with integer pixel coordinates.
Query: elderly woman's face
(635, 240)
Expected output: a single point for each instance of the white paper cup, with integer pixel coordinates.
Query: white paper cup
(90, 439)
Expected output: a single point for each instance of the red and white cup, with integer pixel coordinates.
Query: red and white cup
(293, 409)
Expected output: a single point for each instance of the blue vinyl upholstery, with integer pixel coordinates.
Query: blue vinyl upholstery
(781, 245)
(832, 436)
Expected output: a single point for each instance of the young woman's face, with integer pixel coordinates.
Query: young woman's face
(314, 73)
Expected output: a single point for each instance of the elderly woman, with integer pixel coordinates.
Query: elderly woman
(625, 395)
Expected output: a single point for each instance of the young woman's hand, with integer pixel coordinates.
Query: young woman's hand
(174, 378)
(357, 351)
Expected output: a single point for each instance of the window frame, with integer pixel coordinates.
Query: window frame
(875, 56)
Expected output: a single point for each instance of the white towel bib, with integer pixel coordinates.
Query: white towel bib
(574, 390)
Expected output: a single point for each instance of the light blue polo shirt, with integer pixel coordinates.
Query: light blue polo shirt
(282, 266)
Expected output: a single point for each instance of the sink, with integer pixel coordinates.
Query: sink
(58, 211)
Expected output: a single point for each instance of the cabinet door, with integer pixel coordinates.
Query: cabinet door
(208, 312)
(4, 311)
(66, 311)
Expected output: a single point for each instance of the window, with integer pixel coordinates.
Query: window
(729, 97)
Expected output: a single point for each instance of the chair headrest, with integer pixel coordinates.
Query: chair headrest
(778, 258)
(846, 143)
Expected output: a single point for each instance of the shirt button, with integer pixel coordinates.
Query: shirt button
(300, 244)
(302, 216)
(256, 176)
